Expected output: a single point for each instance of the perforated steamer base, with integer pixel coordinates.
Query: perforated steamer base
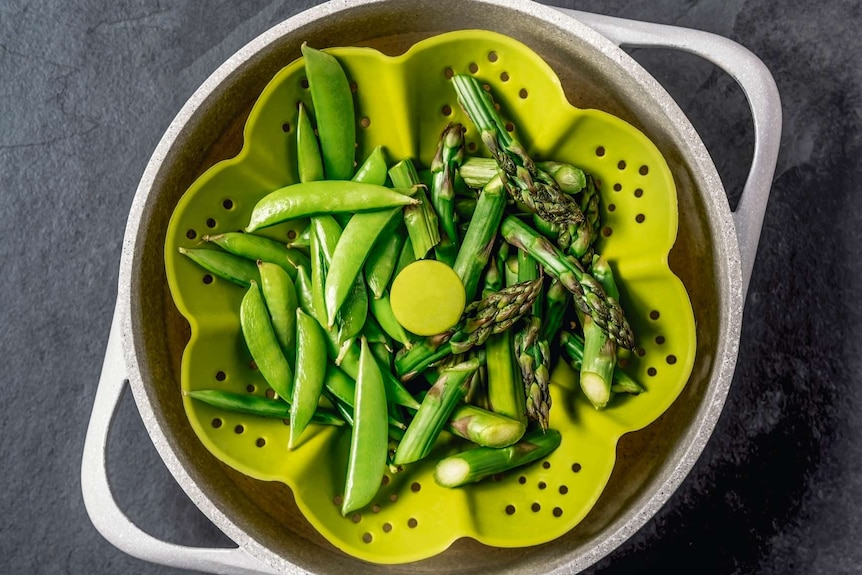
(403, 103)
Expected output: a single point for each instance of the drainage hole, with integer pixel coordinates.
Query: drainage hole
(639, 192)
(504, 76)
(600, 151)
(523, 93)
(366, 537)
(473, 67)
(221, 376)
(446, 109)
(191, 234)
(654, 314)
(211, 223)
(415, 487)
(227, 204)
(671, 359)
(510, 510)
(387, 527)
(260, 442)
(304, 83)
(640, 218)
(621, 165)
(535, 507)
(448, 73)
(365, 122)
(208, 279)
(652, 372)
(618, 187)
(576, 467)
(563, 489)
(557, 512)
(239, 429)
(643, 170)
(659, 339)
(492, 56)
(285, 127)
(412, 523)
(216, 423)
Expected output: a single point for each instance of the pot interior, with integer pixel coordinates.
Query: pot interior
(261, 516)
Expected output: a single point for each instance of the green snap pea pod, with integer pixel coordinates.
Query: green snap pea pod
(303, 290)
(308, 158)
(350, 254)
(302, 239)
(333, 107)
(342, 388)
(259, 406)
(405, 258)
(381, 262)
(255, 248)
(347, 355)
(381, 309)
(374, 333)
(310, 372)
(352, 314)
(224, 265)
(262, 343)
(369, 441)
(374, 169)
(279, 293)
(324, 197)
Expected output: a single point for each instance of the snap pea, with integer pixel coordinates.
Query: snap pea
(280, 296)
(259, 406)
(342, 389)
(382, 260)
(350, 254)
(309, 375)
(262, 343)
(308, 157)
(405, 258)
(323, 197)
(374, 333)
(347, 355)
(333, 107)
(224, 265)
(369, 440)
(302, 239)
(303, 290)
(255, 248)
(374, 169)
(352, 314)
(381, 309)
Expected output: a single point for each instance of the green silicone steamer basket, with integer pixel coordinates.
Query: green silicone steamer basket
(677, 250)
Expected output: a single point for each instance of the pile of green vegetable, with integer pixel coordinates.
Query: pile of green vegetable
(335, 322)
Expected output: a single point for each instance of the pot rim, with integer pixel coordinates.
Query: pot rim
(724, 238)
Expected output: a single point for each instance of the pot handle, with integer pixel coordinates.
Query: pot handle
(99, 501)
(760, 90)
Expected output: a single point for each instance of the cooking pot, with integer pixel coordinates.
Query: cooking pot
(713, 256)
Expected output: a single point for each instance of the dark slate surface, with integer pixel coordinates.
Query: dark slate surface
(88, 87)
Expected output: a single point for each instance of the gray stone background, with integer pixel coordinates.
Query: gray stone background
(87, 88)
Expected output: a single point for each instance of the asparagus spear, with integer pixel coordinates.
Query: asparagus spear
(573, 347)
(533, 353)
(505, 389)
(582, 246)
(477, 464)
(484, 427)
(477, 172)
(600, 351)
(432, 415)
(450, 153)
(524, 181)
(589, 296)
(493, 314)
(479, 240)
(556, 304)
